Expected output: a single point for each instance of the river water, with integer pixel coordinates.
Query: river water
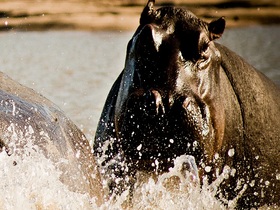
(75, 70)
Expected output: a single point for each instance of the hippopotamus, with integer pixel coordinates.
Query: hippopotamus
(181, 93)
(30, 121)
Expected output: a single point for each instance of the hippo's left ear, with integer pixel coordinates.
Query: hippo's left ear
(147, 13)
(216, 28)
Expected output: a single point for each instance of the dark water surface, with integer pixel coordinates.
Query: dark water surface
(76, 69)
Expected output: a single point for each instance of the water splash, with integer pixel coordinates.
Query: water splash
(31, 181)
(177, 189)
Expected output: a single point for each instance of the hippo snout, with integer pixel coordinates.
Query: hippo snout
(156, 102)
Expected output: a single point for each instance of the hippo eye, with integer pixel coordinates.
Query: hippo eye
(205, 47)
(204, 52)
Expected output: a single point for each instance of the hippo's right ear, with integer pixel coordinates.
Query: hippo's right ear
(148, 12)
(216, 28)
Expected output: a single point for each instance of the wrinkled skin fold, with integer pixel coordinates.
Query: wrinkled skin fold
(182, 93)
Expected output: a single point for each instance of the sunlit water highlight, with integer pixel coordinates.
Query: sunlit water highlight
(76, 70)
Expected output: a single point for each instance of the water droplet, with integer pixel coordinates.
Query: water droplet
(139, 147)
(231, 152)
(132, 134)
(252, 183)
(208, 169)
(226, 169)
(78, 154)
(216, 156)
(156, 162)
(233, 172)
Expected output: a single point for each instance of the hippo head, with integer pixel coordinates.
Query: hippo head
(172, 67)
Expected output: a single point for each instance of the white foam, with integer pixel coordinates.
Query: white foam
(176, 189)
(32, 182)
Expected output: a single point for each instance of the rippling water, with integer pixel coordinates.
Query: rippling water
(76, 70)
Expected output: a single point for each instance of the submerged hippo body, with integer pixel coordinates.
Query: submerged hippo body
(30, 121)
(181, 93)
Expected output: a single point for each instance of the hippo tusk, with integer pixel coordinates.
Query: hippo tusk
(159, 103)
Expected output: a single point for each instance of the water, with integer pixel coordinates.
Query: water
(76, 70)
(73, 69)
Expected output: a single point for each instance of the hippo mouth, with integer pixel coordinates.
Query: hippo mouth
(196, 113)
(159, 128)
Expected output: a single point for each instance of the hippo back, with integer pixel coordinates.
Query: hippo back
(29, 119)
(259, 145)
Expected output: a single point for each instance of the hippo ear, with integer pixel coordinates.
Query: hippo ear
(148, 12)
(216, 28)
